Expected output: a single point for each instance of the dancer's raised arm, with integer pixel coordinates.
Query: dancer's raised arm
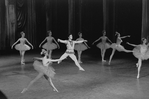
(131, 44)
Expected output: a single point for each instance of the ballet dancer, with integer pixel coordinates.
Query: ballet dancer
(22, 47)
(44, 69)
(103, 45)
(117, 46)
(80, 47)
(49, 45)
(141, 52)
(70, 50)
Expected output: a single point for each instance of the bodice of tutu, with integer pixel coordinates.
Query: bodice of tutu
(22, 40)
(143, 48)
(103, 39)
(49, 39)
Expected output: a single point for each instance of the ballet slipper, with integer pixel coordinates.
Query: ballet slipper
(81, 69)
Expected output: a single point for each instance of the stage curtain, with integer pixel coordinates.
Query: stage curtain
(3, 25)
(145, 19)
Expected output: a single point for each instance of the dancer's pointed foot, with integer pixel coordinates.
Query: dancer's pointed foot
(55, 90)
(137, 64)
(59, 61)
(24, 90)
(81, 69)
(109, 63)
(80, 61)
(103, 60)
(138, 77)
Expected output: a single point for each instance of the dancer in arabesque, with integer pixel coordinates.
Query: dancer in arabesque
(44, 69)
(80, 47)
(117, 46)
(141, 52)
(70, 50)
(49, 45)
(22, 47)
(103, 45)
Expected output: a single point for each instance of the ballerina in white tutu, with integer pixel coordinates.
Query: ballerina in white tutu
(44, 69)
(49, 45)
(141, 52)
(70, 50)
(117, 46)
(22, 47)
(103, 45)
(80, 47)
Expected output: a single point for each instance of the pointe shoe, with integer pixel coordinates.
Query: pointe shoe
(80, 61)
(137, 64)
(138, 77)
(103, 60)
(55, 90)
(59, 61)
(81, 69)
(24, 90)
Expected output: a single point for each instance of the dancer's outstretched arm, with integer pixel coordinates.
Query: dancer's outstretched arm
(53, 60)
(15, 43)
(80, 41)
(131, 44)
(125, 36)
(43, 42)
(62, 41)
(96, 40)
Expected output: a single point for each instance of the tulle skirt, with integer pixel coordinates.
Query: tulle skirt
(138, 54)
(22, 47)
(103, 45)
(48, 71)
(80, 47)
(49, 46)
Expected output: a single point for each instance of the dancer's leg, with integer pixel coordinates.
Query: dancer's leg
(113, 51)
(34, 80)
(50, 53)
(62, 57)
(73, 57)
(123, 49)
(23, 60)
(50, 82)
(103, 54)
(139, 67)
(79, 56)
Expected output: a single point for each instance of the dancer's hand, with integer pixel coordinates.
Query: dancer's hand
(85, 40)
(58, 40)
(127, 42)
(11, 47)
(128, 36)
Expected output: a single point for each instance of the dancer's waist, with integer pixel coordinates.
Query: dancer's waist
(70, 51)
